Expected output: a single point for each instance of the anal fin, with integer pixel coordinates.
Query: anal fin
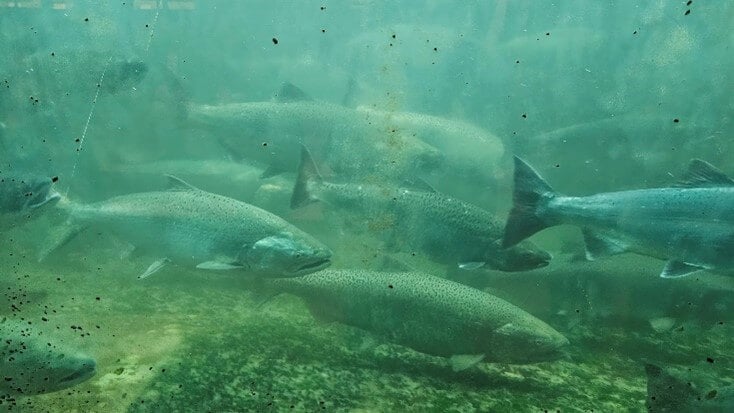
(217, 266)
(153, 268)
(460, 362)
(601, 245)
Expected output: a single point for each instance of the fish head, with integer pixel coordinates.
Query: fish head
(25, 193)
(287, 254)
(124, 74)
(527, 341)
(30, 367)
(522, 257)
(668, 390)
(41, 192)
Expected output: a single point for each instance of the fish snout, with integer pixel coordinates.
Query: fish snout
(316, 262)
(85, 368)
(549, 348)
(560, 345)
(523, 258)
(287, 255)
(43, 194)
(530, 342)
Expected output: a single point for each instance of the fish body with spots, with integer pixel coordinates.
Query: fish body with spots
(446, 229)
(353, 141)
(189, 226)
(429, 314)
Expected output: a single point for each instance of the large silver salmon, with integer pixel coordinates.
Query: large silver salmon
(189, 226)
(691, 225)
(446, 229)
(429, 314)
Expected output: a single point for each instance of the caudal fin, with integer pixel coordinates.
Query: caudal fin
(308, 174)
(531, 193)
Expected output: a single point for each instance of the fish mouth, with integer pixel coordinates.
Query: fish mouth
(51, 196)
(313, 266)
(558, 350)
(86, 371)
(545, 261)
(532, 261)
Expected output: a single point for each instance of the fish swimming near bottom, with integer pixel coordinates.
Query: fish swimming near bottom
(668, 391)
(31, 363)
(691, 225)
(446, 229)
(23, 195)
(189, 226)
(429, 314)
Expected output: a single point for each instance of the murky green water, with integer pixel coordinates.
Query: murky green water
(416, 111)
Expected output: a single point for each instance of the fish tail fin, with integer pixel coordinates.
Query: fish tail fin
(262, 292)
(531, 193)
(60, 237)
(63, 232)
(308, 174)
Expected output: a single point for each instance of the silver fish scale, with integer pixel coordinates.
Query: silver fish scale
(427, 313)
(186, 225)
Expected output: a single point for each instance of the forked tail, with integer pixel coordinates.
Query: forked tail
(531, 194)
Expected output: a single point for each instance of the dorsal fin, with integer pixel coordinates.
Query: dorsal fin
(291, 93)
(177, 184)
(702, 174)
(417, 183)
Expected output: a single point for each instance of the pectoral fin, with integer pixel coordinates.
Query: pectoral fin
(601, 245)
(153, 268)
(460, 362)
(273, 169)
(216, 265)
(677, 269)
(474, 265)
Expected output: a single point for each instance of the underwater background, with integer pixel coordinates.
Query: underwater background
(107, 98)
